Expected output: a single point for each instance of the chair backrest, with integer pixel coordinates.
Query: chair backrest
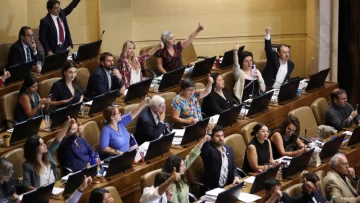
(16, 157)
(147, 180)
(188, 54)
(114, 194)
(131, 127)
(260, 65)
(4, 53)
(294, 190)
(200, 86)
(59, 170)
(246, 132)
(91, 134)
(8, 103)
(307, 121)
(238, 145)
(195, 171)
(149, 64)
(45, 86)
(229, 81)
(83, 75)
(39, 46)
(321, 175)
(319, 107)
(168, 96)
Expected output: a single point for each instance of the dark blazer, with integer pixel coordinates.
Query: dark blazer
(212, 163)
(146, 129)
(47, 31)
(60, 91)
(98, 83)
(272, 66)
(214, 104)
(17, 54)
(301, 198)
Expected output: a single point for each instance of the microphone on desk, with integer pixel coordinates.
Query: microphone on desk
(102, 34)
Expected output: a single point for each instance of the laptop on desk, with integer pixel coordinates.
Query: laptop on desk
(171, 79)
(120, 163)
(299, 163)
(54, 62)
(331, 147)
(88, 51)
(355, 137)
(317, 80)
(192, 132)
(230, 195)
(260, 179)
(138, 90)
(25, 129)
(260, 104)
(159, 146)
(228, 58)
(202, 68)
(288, 91)
(100, 102)
(19, 72)
(230, 116)
(40, 195)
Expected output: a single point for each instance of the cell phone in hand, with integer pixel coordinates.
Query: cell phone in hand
(253, 70)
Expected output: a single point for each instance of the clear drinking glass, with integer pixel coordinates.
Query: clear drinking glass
(47, 121)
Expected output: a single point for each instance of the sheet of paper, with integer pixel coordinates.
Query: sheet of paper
(65, 178)
(177, 140)
(246, 197)
(214, 119)
(57, 190)
(10, 130)
(215, 192)
(348, 132)
(89, 103)
(178, 132)
(142, 149)
(250, 179)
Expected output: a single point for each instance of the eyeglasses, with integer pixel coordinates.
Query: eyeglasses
(9, 173)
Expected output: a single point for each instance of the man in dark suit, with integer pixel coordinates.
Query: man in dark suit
(278, 65)
(218, 159)
(54, 33)
(24, 50)
(150, 124)
(104, 78)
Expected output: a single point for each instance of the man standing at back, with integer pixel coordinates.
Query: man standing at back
(54, 33)
(278, 65)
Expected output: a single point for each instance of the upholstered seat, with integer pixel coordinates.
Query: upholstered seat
(131, 127)
(83, 75)
(91, 134)
(8, 103)
(238, 145)
(246, 132)
(16, 157)
(168, 96)
(4, 53)
(321, 174)
(294, 190)
(147, 180)
(114, 194)
(44, 86)
(229, 81)
(319, 107)
(307, 121)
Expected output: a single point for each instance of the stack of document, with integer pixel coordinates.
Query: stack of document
(179, 133)
(210, 196)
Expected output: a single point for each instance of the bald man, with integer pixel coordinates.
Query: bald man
(340, 114)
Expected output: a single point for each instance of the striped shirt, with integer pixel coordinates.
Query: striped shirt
(224, 168)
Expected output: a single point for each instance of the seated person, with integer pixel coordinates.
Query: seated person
(7, 182)
(219, 99)
(258, 152)
(248, 83)
(39, 168)
(316, 192)
(285, 141)
(218, 160)
(24, 50)
(104, 78)
(29, 103)
(274, 194)
(186, 108)
(278, 65)
(100, 195)
(169, 57)
(340, 114)
(341, 182)
(161, 190)
(68, 89)
(114, 138)
(74, 152)
(180, 188)
(151, 122)
(129, 64)
(4, 75)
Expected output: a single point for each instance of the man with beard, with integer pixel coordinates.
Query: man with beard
(104, 78)
(340, 114)
(220, 169)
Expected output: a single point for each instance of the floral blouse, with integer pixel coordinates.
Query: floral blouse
(125, 67)
(188, 109)
(170, 62)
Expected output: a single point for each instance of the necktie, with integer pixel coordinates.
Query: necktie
(61, 31)
(28, 55)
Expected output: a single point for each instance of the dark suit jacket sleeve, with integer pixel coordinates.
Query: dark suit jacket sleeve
(99, 84)
(43, 30)
(205, 150)
(146, 128)
(15, 56)
(303, 197)
(70, 7)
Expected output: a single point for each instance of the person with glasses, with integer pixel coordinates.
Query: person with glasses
(341, 182)
(285, 141)
(258, 153)
(114, 138)
(24, 50)
(186, 107)
(7, 182)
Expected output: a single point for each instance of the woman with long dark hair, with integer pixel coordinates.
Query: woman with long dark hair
(67, 90)
(180, 188)
(285, 141)
(29, 104)
(39, 167)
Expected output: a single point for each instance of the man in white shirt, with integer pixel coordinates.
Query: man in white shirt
(278, 65)
(54, 33)
(161, 190)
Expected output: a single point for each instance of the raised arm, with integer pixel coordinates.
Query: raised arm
(195, 152)
(192, 36)
(63, 131)
(236, 66)
(71, 6)
(207, 90)
(139, 107)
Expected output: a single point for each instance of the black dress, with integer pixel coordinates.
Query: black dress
(215, 104)
(263, 154)
(251, 87)
(60, 91)
(288, 143)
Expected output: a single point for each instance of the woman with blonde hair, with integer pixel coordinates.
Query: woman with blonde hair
(129, 64)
